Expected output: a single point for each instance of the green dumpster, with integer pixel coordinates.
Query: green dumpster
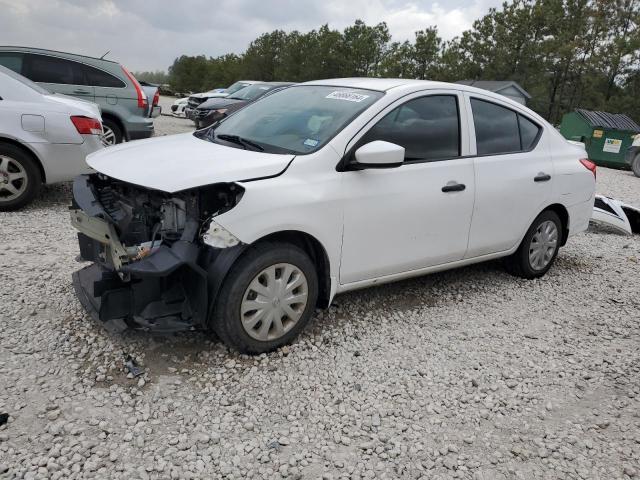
(606, 136)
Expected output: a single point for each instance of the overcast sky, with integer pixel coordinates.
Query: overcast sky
(149, 35)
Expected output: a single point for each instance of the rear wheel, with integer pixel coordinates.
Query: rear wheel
(538, 249)
(267, 298)
(19, 178)
(111, 133)
(635, 166)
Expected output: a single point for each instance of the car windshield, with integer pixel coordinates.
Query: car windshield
(24, 81)
(235, 87)
(299, 119)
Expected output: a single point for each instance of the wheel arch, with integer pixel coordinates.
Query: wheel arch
(563, 213)
(115, 119)
(27, 151)
(316, 251)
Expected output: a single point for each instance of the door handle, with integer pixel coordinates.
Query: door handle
(80, 91)
(453, 187)
(542, 177)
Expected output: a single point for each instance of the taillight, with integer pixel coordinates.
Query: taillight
(589, 165)
(87, 126)
(156, 98)
(142, 97)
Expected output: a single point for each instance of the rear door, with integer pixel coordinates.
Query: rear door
(513, 174)
(58, 75)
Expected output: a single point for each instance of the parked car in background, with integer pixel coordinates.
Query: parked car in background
(44, 138)
(124, 105)
(152, 92)
(317, 189)
(632, 156)
(216, 109)
(198, 98)
(179, 106)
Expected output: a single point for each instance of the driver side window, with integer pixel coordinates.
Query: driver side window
(427, 127)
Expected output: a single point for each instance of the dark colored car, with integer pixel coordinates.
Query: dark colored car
(217, 108)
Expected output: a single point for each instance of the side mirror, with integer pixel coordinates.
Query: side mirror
(378, 154)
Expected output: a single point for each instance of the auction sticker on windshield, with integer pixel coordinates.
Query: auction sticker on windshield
(348, 96)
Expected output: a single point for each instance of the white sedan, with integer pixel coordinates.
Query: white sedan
(44, 138)
(324, 187)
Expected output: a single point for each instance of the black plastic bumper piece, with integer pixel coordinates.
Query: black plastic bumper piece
(102, 305)
(167, 291)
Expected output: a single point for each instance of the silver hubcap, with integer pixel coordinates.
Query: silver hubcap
(13, 179)
(108, 137)
(543, 245)
(274, 301)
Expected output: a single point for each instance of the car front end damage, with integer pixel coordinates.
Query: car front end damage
(158, 258)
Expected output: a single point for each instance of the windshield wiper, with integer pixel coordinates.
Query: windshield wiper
(240, 141)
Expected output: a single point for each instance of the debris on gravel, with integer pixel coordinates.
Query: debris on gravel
(469, 374)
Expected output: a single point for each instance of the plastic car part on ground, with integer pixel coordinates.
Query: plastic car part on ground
(616, 214)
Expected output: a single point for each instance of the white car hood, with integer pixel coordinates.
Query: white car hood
(74, 105)
(180, 162)
(210, 95)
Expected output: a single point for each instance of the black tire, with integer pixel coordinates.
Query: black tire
(107, 123)
(18, 159)
(635, 166)
(226, 319)
(519, 264)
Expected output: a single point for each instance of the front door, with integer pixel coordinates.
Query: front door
(417, 215)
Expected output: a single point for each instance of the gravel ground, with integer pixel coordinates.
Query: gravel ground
(465, 374)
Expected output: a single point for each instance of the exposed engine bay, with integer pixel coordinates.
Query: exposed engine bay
(152, 250)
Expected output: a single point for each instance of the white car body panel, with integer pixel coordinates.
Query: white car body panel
(41, 123)
(183, 161)
(616, 214)
(377, 225)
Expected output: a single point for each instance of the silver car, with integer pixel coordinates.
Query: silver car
(44, 138)
(124, 104)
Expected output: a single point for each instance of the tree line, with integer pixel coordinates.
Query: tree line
(565, 53)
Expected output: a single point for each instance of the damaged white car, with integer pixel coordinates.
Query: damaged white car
(246, 227)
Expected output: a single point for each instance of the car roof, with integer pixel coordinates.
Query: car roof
(44, 50)
(406, 85)
(380, 84)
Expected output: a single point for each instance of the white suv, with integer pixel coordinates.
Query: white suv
(324, 187)
(44, 138)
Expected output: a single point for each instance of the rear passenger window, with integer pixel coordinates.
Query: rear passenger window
(46, 69)
(496, 128)
(98, 78)
(13, 61)
(501, 130)
(427, 127)
(528, 132)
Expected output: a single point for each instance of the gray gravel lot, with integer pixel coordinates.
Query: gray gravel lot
(464, 374)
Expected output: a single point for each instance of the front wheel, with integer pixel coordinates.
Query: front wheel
(267, 298)
(538, 249)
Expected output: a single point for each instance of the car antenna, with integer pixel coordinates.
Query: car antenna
(106, 53)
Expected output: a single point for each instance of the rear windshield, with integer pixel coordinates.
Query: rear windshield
(25, 81)
(299, 119)
(251, 92)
